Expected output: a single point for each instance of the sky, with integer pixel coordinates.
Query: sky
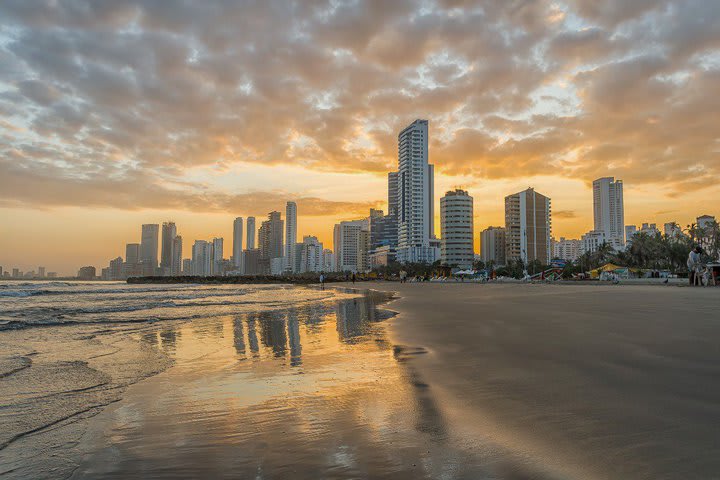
(114, 114)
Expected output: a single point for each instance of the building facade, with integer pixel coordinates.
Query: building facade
(456, 229)
(251, 233)
(149, 248)
(592, 241)
(290, 236)
(528, 227)
(415, 194)
(567, 249)
(270, 241)
(609, 210)
(346, 239)
(169, 232)
(237, 248)
(492, 246)
(311, 255)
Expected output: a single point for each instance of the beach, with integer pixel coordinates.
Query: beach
(383, 380)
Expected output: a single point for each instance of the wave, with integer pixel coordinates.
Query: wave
(125, 292)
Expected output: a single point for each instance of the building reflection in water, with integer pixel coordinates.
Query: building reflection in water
(238, 335)
(169, 338)
(272, 325)
(252, 333)
(293, 325)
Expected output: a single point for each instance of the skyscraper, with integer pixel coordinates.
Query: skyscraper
(346, 239)
(492, 245)
(609, 211)
(392, 193)
(311, 255)
(132, 253)
(415, 194)
(456, 223)
(237, 243)
(177, 249)
(528, 227)
(270, 240)
(217, 255)
(169, 232)
(251, 233)
(202, 258)
(290, 235)
(149, 248)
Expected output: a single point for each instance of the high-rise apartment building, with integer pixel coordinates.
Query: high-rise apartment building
(202, 258)
(251, 233)
(567, 249)
(149, 248)
(592, 241)
(609, 210)
(169, 232)
(270, 241)
(383, 229)
(217, 257)
(311, 255)
(132, 253)
(237, 255)
(492, 245)
(290, 235)
(363, 251)
(415, 194)
(528, 227)
(456, 227)
(705, 221)
(346, 239)
(177, 252)
(392, 193)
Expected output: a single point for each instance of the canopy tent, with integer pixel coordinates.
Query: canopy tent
(611, 267)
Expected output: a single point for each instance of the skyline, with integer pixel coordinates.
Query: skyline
(127, 113)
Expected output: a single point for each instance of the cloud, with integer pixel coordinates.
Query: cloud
(564, 214)
(107, 94)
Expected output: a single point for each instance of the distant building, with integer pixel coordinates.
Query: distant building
(528, 227)
(346, 239)
(187, 266)
(169, 232)
(609, 210)
(672, 230)
(251, 233)
(237, 255)
(177, 252)
(311, 255)
(567, 249)
(705, 221)
(251, 260)
(115, 269)
(41, 271)
(630, 231)
(415, 194)
(217, 257)
(382, 256)
(149, 248)
(591, 241)
(457, 232)
(270, 239)
(492, 245)
(649, 228)
(329, 263)
(363, 251)
(132, 253)
(202, 258)
(393, 194)
(85, 273)
(290, 235)
(16, 273)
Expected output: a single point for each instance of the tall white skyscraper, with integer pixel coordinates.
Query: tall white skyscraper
(290, 235)
(251, 233)
(415, 196)
(456, 223)
(217, 254)
(237, 243)
(177, 251)
(346, 239)
(149, 248)
(609, 210)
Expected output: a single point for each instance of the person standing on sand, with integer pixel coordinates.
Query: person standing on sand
(322, 282)
(353, 278)
(693, 264)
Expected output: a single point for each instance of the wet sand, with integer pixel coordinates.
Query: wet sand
(466, 381)
(591, 382)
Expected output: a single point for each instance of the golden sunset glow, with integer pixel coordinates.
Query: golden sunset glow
(115, 114)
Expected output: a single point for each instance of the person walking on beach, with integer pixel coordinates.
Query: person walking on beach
(353, 278)
(693, 264)
(322, 282)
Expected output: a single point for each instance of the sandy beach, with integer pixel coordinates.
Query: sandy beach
(385, 380)
(592, 382)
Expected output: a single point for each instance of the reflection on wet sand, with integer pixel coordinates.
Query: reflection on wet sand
(319, 393)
